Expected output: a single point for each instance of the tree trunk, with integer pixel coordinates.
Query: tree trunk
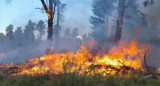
(50, 21)
(50, 13)
(58, 13)
(118, 33)
(57, 27)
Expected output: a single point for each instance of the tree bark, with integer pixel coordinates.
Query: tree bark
(50, 13)
(118, 33)
(50, 20)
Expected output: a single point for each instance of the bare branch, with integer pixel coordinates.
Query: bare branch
(40, 8)
(146, 63)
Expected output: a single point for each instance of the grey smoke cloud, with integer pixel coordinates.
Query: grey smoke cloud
(77, 14)
(151, 33)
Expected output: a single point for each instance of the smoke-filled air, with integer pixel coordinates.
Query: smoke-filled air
(79, 43)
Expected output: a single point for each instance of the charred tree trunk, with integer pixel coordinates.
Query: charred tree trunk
(50, 20)
(121, 11)
(50, 13)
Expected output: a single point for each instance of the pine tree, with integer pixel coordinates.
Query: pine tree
(2, 37)
(133, 18)
(9, 32)
(18, 34)
(29, 32)
(75, 32)
(121, 11)
(128, 11)
(67, 32)
(101, 9)
(41, 27)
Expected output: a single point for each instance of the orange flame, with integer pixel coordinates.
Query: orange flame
(120, 59)
(48, 13)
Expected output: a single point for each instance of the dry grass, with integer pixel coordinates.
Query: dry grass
(74, 79)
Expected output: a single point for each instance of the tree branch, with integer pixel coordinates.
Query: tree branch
(40, 9)
(146, 63)
(45, 6)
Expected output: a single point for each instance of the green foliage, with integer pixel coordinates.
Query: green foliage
(18, 34)
(29, 32)
(2, 36)
(101, 8)
(9, 32)
(41, 27)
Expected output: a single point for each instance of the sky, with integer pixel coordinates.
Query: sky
(76, 14)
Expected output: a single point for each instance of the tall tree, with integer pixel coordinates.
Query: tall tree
(2, 42)
(67, 32)
(134, 17)
(18, 34)
(9, 32)
(29, 32)
(101, 9)
(121, 10)
(2, 37)
(41, 28)
(50, 11)
(75, 32)
(129, 10)
(10, 37)
(57, 27)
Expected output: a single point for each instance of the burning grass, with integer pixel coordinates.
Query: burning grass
(120, 60)
(121, 66)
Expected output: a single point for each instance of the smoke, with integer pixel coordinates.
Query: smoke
(150, 34)
(23, 53)
(77, 14)
(152, 13)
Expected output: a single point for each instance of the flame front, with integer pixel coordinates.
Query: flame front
(120, 59)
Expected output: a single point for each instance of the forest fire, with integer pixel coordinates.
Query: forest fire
(119, 60)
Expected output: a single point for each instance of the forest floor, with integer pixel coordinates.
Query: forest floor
(76, 80)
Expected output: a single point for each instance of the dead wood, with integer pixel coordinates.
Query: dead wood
(146, 64)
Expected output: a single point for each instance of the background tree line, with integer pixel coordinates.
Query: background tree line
(31, 35)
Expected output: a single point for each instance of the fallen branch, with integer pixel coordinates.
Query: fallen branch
(146, 63)
(122, 69)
